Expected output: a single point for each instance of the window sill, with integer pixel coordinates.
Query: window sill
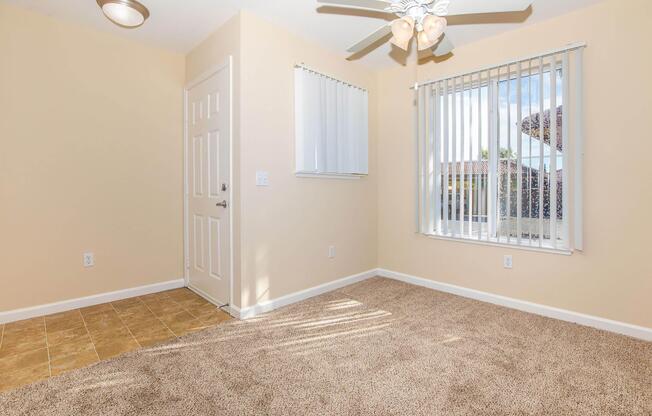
(346, 176)
(493, 243)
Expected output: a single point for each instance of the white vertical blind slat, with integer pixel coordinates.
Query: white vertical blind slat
(453, 164)
(445, 159)
(309, 133)
(299, 115)
(519, 151)
(565, 76)
(500, 176)
(553, 152)
(363, 141)
(530, 176)
(351, 128)
(508, 208)
(431, 158)
(426, 159)
(437, 159)
(421, 156)
(322, 125)
(330, 126)
(541, 149)
(479, 181)
(578, 161)
(417, 169)
(471, 174)
(462, 190)
(492, 199)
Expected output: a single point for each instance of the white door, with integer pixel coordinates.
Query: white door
(209, 187)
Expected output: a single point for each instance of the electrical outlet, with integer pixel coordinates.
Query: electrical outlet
(331, 252)
(89, 259)
(507, 261)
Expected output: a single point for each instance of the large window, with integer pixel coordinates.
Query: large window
(499, 151)
(331, 124)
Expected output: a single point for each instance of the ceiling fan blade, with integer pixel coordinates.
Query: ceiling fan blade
(371, 39)
(444, 47)
(378, 5)
(494, 6)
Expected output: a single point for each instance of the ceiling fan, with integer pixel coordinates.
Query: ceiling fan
(426, 17)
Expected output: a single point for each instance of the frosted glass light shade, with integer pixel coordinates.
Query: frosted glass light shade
(424, 42)
(125, 13)
(433, 26)
(401, 44)
(402, 29)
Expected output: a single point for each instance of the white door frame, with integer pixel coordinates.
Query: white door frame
(186, 248)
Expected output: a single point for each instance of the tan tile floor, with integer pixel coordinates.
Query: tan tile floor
(38, 348)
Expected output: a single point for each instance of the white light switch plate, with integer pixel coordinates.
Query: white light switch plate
(262, 178)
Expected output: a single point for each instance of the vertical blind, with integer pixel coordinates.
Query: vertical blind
(331, 122)
(499, 153)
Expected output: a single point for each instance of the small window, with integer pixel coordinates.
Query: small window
(331, 124)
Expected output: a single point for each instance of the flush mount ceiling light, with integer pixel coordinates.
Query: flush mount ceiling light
(125, 13)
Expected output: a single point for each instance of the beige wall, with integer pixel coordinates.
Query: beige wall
(612, 278)
(92, 160)
(282, 232)
(90, 128)
(288, 226)
(212, 52)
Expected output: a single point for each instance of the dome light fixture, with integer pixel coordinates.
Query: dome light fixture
(124, 13)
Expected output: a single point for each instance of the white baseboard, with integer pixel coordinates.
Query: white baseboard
(66, 305)
(270, 305)
(535, 308)
(635, 331)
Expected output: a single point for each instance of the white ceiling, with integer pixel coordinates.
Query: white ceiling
(179, 25)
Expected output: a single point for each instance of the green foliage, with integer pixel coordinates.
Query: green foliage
(504, 154)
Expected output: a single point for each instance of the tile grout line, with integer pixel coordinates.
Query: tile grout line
(183, 308)
(159, 319)
(208, 324)
(89, 334)
(191, 314)
(47, 345)
(125, 325)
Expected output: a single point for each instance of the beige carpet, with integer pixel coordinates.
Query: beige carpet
(379, 347)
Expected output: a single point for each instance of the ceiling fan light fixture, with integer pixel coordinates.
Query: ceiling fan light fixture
(401, 44)
(434, 26)
(424, 42)
(125, 13)
(403, 30)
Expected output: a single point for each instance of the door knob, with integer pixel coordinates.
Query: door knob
(221, 204)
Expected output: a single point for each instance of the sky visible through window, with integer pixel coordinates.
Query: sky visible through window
(530, 97)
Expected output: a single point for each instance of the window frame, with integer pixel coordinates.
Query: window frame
(493, 82)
